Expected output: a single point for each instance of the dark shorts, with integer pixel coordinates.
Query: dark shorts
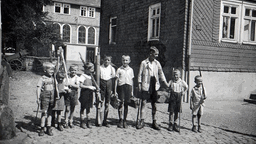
(145, 95)
(175, 102)
(86, 99)
(47, 100)
(124, 93)
(59, 104)
(71, 98)
(106, 89)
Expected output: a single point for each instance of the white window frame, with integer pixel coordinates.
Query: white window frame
(83, 8)
(59, 6)
(70, 29)
(78, 35)
(94, 35)
(110, 30)
(91, 12)
(69, 6)
(151, 18)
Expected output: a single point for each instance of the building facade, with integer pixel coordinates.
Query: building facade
(217, 36)
(78, 24)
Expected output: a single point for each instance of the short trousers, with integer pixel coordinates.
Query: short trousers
(86, 99)
(71, 98)
(59, 104)
(175, 102)
(145, 95)
(47, 100)
(124, 93)
(106, 90)
(198, 111)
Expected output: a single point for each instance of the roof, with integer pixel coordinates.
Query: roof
(93, 3)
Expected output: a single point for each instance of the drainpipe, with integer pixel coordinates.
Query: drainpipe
(190, 42)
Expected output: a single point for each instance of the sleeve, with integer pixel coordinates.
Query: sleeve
(192, 94)
(205, 93)
(40, 82)
(132, 74)
(117, 73)
(160, 72)
(140, 73)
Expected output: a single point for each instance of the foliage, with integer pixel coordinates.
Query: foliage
(24, 21)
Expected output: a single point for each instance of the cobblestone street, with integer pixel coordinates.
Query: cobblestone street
(24, 106)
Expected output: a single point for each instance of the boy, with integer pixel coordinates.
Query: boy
(197, 97)
(87, 92)
(178, 87)
(45, 97)
(72, 95)
(107, 74)
(124, 88)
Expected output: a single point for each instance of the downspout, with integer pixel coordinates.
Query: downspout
(190, 41)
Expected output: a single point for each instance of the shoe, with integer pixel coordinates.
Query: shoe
(199, 129)
(65, 125)
(71, 125)
(155, 125)
(82, 125)
(170, 127)
(105, 123)
(124, 124)
(175, 127)
(194, 129)
(60, 127)
(41, 133)
(120, 124)
(49, 131)
(88, 124)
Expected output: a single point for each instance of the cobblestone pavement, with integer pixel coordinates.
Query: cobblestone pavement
(23, 103)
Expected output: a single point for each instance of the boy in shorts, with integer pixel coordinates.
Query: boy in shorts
(124, 88)
(45, 97)
(87, 94)
(197, 97)
(178, 87)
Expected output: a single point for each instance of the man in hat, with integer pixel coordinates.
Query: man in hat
(148, 78)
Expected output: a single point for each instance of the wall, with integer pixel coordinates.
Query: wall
(226, 85)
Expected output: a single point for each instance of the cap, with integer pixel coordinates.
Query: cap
(198, 78)
(153, 48)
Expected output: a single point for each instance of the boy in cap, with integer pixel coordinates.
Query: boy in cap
(178, 87)
(45, 97)
(150, 73)
(87, 93)
(197, 97)
(124, 88)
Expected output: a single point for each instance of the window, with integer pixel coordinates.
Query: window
(154, 22)
(112, 31)
(62, 8)
(56, 28)
(91, 12)
(66, 33)
(249, 24)
(81, 34)
(57, 7)
(66, 8)
(91, 35)
(87, 11)
(83, 11)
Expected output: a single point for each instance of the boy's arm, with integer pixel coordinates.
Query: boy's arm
(205, 94)
(185, 86)
(38, 92)
(140, 76)
(161, 74)
(191, 99)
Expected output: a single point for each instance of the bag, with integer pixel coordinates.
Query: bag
(114, 101)
(134, 102)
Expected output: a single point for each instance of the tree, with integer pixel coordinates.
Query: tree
(25, 25)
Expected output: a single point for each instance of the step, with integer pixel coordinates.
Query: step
(250, 101)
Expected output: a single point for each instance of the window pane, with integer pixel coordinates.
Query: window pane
(253, 13)
(157, 27)
(154, 12)
(246, 30)
(153, 28)
(226, 9)
(66, 33)
(91, 36)
(81, 35)
(247, 12)
(253, 31)
(233, 10)
(83, 11)
(66, 9)
(113, 22)
(57, 8)
(232, 28)
(56, 29)
(113, 36)
(225, 27)
(158, 11)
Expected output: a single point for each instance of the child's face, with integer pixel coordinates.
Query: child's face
(107, 61)
(125, 61)
(49, 71)
(198, 83)
(176, 76)
(89, 71)
(73, 71)
(154, 55)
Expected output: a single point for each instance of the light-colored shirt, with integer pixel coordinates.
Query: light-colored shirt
(148, 69)
(178, 86)
(75, 80)
(197, 94)
(46, 83)
(125, 75)
(107, 73)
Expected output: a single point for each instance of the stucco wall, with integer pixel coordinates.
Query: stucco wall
(226, 85)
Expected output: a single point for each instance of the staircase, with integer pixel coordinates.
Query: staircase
(252, 98)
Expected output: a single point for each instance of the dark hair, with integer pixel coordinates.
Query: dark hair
(88, 65)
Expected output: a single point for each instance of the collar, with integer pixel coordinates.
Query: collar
(177, 80)
(125, 68)
(147, 60)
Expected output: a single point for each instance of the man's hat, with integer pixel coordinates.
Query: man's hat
(198, 78)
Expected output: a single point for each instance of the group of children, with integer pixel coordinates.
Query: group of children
(122, 79)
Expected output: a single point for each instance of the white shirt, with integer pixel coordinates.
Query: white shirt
(125, 75)
(106, 73)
